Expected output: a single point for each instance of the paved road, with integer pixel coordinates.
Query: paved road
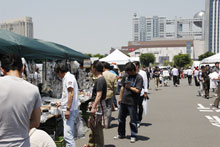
(177, 117)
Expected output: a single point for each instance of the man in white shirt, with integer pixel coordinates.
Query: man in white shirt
(69, 102)
(189, 75)
(175, 74)
(144, 91)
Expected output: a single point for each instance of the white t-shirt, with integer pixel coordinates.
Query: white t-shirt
(189, 72)
(145, 82)
(69, 80)
(175, 72)
(196, 73)
(18, 99)
(166, 73)
(39, 138)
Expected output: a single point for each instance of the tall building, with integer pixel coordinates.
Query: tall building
(159, 27)
(22, 26)
(212, 37)
(147, 28)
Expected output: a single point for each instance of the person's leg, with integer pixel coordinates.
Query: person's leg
(132, 110)
(108, 112)
(115, 102)
(99, 136)
(69, 128)
(122, 119)
(140, 109)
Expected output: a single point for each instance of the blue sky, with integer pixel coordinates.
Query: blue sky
(92, 26)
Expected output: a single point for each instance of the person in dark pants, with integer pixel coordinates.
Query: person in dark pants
(206, 81)
(189, 75)
(175, 74)
(132, 84)
(144, 91)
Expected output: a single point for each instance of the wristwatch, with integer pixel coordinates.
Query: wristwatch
(67, 108)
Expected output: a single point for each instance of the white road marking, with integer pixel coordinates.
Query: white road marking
(202, 107)
(209, 117)
(206, 110)
(215, 120)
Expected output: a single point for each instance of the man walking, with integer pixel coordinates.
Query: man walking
(144, 91)
(189, 75)
(132, 84)
(206, 81)
(111, 81)
(156, 75)
(175, 74)
(69, 102)
(20, 104)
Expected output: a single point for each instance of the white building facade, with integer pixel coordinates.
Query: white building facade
(159, 27)
(21, 26)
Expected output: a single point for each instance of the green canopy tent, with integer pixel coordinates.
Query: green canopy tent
(71, 54)
(27, 47)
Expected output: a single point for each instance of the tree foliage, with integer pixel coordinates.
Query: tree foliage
(182, 60)
(205, 55)
(99, 56)
(96, 55)
(147, 58)
(166, 63)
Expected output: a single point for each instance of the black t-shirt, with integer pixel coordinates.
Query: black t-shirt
(156, 73)
(205, 75)
(100, 85)
(129, 97)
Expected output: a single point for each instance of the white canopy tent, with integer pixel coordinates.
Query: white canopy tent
(211, 59)
(116, 57)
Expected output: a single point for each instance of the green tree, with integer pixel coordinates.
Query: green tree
(147, 58)
(99, 56)
(90, 55)
(182, 60)
(205, 55)
(166, 63)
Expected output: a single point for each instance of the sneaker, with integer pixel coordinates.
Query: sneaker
(133, 139)
(138, 125)
(116, 109)
(118, 137)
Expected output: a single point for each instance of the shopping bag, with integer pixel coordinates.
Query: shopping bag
(145, 106)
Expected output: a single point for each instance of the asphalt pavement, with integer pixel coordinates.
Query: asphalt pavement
(176, 117)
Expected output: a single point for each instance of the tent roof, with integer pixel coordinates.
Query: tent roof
(35, 49)
(116, 57)
(212, 59)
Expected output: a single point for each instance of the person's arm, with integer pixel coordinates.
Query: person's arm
(121, 94)
(136, 89)
(115, 85)
(35, 118)
(69, 102)
(97, 100)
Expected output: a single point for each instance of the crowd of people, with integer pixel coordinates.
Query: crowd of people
(21, 101)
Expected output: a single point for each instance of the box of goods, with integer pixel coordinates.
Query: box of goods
(60, 142)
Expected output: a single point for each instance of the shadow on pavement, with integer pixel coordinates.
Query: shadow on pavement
(110, 145)
(114, 125)
(146, 124)
(139, 138)
(142, 138)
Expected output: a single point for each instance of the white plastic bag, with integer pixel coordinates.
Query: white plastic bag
(145, 106)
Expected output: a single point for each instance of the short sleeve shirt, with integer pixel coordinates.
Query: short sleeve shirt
(100, 85)
(129, 97)
(69, 80)
(18, 99)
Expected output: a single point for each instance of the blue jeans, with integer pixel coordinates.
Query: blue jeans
(68, 126)
(123, 112)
